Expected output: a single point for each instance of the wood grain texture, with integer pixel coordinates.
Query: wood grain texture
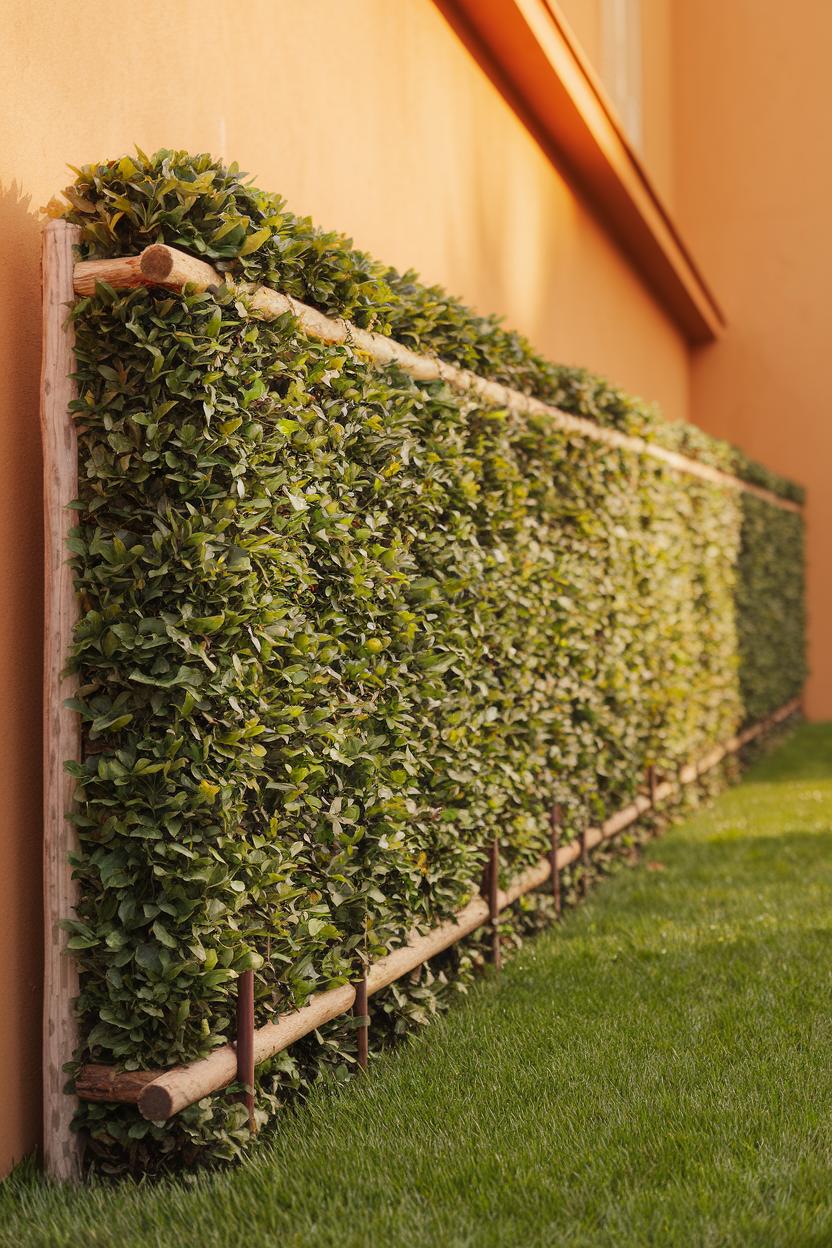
(157, 265)
(108, 1083)
(178, 268)
(421, 947)
(61, 728)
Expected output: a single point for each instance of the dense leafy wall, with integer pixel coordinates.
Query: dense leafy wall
(340, 628)
(770, 607)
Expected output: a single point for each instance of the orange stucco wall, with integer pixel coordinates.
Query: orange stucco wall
(371, 117)
(753, 188)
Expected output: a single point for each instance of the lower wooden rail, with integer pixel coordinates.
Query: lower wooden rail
(161, 1094)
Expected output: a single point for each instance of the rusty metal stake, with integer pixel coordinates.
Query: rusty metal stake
(584, 861)
(490, 889)
(653, 785)
(245, 1042)
(361, 1010)
(554, 825)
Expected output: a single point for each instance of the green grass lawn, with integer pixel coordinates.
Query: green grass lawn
(658, 1070)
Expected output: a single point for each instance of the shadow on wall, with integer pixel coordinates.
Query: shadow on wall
(21, 610)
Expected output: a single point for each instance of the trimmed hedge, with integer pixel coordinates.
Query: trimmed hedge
(340, 628)
(771, 621)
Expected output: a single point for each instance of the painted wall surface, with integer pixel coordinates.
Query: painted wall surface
(754, 185)
(369, 116)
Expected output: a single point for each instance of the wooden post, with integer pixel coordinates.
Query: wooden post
(554, 825)
(61, 727)
(361, 1010)
(245, 1043)
(696, 779)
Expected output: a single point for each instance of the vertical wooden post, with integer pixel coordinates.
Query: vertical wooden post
(554, 825)
(361, 1009)
(61, 727)
(245, 1042)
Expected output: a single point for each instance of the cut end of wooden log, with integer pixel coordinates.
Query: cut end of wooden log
(161, 265)
(156, 1102)
(157, 263)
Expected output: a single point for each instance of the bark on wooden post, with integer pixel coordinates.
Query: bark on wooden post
(554, 824)
(245, 1043)
(61, 727)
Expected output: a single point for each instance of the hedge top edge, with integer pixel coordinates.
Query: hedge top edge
(211, 211)
(160, 265)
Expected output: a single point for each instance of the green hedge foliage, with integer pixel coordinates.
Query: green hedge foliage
(340, 628)
(770, 609)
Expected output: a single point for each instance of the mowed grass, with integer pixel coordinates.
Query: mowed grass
(658, 1070)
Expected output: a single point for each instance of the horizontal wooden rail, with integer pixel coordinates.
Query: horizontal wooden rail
(421, 948)
(160, 265)
(161, 1094)
(175, 1089)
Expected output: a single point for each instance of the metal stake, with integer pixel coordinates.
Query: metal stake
(554, 825)
(360, 1010)
(584, 861)
(491, 885)
(245, 1042)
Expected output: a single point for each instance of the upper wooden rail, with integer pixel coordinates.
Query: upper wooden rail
(160, 265)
